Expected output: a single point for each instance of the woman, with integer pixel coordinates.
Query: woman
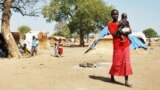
(121, 51)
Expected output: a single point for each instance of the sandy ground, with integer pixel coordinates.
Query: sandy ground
(45, 72)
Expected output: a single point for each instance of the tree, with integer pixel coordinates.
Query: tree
(25, 7)
(149, 32)
(62, 29)
(24, 29)
(83, 16)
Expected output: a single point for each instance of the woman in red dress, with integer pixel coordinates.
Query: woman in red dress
(121, 51)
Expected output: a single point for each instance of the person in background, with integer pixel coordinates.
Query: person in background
(56, 49)
(60, 47)
(20, 47)
(3, 48)
(121, 51)
(34, 46)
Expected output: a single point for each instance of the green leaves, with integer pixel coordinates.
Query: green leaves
(83, 16)
(23, 29)
(62, 30)
(66, 10)
(150, 33)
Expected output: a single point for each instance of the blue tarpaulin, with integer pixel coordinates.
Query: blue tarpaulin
(135, 42)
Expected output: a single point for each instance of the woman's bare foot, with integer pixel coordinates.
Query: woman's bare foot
(128, 84)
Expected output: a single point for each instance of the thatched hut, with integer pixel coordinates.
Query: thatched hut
(53, 39)
(43, 42)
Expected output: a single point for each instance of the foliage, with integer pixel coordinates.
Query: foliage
(62, 29)
(24, 29)
(82, 16)
(150, 33)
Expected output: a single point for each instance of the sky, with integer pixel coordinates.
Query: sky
(142, 14)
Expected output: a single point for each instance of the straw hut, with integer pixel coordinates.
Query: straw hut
(53, 39)
(42, 39)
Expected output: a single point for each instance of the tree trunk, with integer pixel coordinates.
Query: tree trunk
(12, 47)
(81, 38)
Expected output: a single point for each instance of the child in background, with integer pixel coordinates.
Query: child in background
(60, 47)
(56, 49)
(34, 46)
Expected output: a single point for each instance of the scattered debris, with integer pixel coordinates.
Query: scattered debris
(87, 65)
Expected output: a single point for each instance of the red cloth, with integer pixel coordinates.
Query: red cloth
(121, 54)
(121, 62)
(117, 40)
(60, 51)
(60, 48)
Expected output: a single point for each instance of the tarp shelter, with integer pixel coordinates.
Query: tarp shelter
(135, 42)
(140, 36)
(42, 40)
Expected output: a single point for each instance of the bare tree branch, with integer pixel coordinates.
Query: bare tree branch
(25, 7)
(18, 9)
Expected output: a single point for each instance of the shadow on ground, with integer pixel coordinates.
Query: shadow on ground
(104, 79)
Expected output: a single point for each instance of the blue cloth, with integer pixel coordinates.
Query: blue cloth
(100, 36)
(135, 42)
(34, 42)
(103, 33)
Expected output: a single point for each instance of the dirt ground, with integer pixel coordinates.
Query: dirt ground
(45, 72)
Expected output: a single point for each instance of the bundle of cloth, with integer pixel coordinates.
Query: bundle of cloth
(135, 41)
(28, 40)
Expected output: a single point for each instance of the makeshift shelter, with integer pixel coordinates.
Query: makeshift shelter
(141, 36)
(42, 40)
(53, 39)
(104, 45)
(135, 41)
(3, 45)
